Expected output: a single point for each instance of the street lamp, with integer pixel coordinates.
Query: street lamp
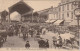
(77, 14)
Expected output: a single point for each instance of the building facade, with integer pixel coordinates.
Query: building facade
(66, 10)
(48, 15)
(53, 13)
(63, 12)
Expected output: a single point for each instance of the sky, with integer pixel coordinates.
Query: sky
(15, 16)
(37, 5)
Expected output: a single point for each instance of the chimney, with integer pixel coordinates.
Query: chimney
(52, 7)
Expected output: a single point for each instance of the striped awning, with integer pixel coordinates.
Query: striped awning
(50, 21)
(47, 21)
(58, 22)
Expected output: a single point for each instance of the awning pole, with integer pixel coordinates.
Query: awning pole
(39, 18)
(78, 24)
(32, 16)
(9, 17)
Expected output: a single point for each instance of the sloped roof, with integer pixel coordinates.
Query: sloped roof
(42, 12)
(20, 7)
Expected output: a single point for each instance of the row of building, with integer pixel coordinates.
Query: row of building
(62, 14)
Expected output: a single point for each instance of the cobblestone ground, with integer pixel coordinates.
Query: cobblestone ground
(15, 41)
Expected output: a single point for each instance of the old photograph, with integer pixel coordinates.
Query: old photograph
(40, 24)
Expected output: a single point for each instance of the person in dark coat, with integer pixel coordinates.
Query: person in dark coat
(24, 33)
(27, 45)
(4, 35)
(59, 44)
(47, 43)
(31, 32)
(1, 41)
(41, 43)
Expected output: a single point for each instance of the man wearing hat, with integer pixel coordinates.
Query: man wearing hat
(27, 45)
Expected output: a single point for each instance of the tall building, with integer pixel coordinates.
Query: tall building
(66, 10)
(52, 15)
(49, 15)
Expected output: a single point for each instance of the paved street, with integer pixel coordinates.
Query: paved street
(15, 41)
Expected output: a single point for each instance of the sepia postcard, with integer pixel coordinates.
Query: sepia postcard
(39, 25)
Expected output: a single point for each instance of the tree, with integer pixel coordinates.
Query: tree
(3, 15)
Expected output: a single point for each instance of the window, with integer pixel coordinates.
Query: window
(67, 6)
(59, 8)
(75, 4)
(54, 16)
(63, 8)
(67, 14)
(72, 6)
(62, 16)
(72, 15)
(59, 15)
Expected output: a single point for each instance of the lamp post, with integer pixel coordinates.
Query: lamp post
(77, 13)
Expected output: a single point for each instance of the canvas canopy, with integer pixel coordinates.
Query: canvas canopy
(58, 22)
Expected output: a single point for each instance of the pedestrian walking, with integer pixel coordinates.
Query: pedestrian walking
(24, 37)
(59, 42)
(27, 45)
(24, 32)
(54, 41)
(19, 31)
(31, 32)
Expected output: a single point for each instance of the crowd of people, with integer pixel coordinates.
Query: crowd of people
(16, 29)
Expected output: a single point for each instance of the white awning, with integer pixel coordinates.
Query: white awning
(74, 22)
(58, 22)
(47, 21)
(50, 21)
